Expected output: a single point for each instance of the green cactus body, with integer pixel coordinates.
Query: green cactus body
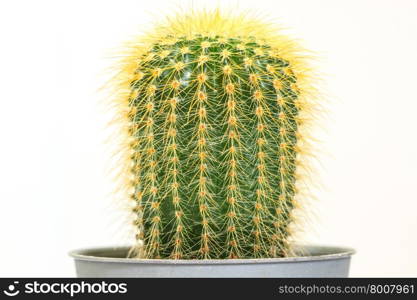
(214, 125)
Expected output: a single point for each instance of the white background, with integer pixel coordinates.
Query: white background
(53, 187)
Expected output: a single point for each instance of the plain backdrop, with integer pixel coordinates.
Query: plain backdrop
(54, 193)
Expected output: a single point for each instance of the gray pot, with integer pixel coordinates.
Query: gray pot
(316, 261)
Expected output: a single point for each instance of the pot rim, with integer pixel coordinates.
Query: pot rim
(322, 253)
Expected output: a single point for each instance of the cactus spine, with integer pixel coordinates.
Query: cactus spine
(213, 108)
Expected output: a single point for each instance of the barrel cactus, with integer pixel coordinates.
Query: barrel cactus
(212, 109)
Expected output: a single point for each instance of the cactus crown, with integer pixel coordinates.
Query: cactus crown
(212, 108)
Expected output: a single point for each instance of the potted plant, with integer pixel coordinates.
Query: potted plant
(215, 110)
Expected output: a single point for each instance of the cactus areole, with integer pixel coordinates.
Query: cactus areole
(212, 109)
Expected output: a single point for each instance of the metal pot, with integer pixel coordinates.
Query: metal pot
(315, 261)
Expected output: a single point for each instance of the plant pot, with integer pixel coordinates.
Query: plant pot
(316, 261)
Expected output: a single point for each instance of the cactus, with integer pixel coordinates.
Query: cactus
(212, 107)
